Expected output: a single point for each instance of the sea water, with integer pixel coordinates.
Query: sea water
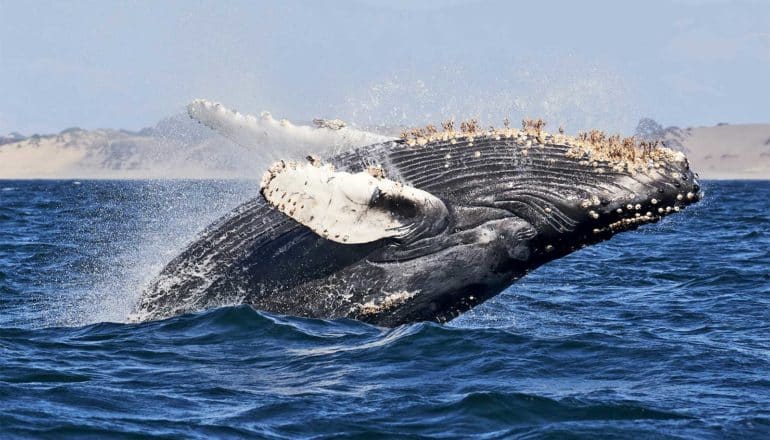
(662, 332)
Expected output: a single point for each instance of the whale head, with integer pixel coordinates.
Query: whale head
(516, 199)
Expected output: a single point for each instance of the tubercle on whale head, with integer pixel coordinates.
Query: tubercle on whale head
(603, 218)
(669, 185)
(656, 182)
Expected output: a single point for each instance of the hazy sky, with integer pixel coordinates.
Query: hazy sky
(127, 64)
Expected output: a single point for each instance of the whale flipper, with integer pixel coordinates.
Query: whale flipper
(352, 208)
(250, 131)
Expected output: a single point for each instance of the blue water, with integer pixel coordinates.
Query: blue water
(663, 332)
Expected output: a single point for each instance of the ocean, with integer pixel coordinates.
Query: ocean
(659, 333)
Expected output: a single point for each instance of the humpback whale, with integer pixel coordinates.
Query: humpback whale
(419, 228)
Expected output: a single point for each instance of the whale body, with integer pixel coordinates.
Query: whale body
(421, 228)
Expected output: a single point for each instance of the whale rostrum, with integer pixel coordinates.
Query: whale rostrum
(423, 227)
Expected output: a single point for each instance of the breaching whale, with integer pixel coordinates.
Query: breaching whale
(420, 228)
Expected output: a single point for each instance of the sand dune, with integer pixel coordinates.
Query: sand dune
(179, 148)
(175, 148)
(729, 151)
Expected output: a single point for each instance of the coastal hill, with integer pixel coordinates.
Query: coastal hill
(180, 148)
(724, 151)
(175, 148)
(729, 151)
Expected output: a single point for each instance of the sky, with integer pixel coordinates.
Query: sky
(604, 64)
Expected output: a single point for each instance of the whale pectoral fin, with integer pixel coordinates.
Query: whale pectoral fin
(244, 130)
(250, 131)
(352, 207)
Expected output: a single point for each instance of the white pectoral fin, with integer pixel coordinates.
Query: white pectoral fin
(250, 131)
(351, 207)
(245, 130)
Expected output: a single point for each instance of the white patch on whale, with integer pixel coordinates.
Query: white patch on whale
(343, 207)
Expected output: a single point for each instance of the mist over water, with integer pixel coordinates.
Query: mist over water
(565, 91)
(657, 333)
(100, 242)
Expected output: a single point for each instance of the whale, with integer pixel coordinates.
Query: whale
(422, 227)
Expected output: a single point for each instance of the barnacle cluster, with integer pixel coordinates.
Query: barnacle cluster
(390, 301)
(625, 152)
(592, 147)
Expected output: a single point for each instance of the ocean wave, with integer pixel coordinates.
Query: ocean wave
(653, 334)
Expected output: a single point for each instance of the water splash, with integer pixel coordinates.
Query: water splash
(577, 94)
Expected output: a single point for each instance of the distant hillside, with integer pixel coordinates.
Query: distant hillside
(724, 151)
(729, 151)
(12, 137)
(177, 147)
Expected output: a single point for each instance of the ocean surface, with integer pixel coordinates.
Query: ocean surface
(659, 333)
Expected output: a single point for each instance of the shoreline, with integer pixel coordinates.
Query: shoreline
(722, 152)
